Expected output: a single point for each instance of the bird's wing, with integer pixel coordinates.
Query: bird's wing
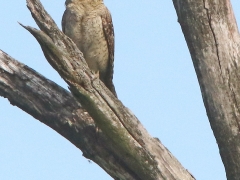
(64, 21)
(109, 35)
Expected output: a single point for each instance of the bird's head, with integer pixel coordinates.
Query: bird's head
(85, 2)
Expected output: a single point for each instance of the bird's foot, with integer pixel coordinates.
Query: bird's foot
(95, 75)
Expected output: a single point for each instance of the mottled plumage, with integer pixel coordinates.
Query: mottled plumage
(89, 24)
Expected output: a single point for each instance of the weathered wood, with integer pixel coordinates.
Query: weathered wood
(58, 109)
(129, 141)
(212, 36)
(114, 138)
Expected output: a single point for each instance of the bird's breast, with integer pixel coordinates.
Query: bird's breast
(86, 30)
(95, 48)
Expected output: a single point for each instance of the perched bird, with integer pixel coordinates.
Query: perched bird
(89, 24)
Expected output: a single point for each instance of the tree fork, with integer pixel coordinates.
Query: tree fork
(123, 147)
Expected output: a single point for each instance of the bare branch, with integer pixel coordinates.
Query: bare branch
(136, 151)
(56, 107)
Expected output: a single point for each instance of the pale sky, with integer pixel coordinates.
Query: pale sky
(154, 77)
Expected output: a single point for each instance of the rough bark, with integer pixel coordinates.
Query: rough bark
(113, 137)
(212, 36)
(58, 109)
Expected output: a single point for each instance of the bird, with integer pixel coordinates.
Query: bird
(89, 24)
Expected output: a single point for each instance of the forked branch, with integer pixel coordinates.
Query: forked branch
(116, 140)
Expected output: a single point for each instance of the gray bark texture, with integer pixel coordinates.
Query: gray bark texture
(90, 117)
(97, 123)
(212, 36)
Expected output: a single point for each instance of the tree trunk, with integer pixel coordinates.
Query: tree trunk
(212, 36)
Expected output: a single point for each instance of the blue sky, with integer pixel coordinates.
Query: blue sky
(154, 77)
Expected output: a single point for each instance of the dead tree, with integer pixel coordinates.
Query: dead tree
(94, 119)
(96, 122)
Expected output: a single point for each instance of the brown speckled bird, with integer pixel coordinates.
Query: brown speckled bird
(89, 24)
